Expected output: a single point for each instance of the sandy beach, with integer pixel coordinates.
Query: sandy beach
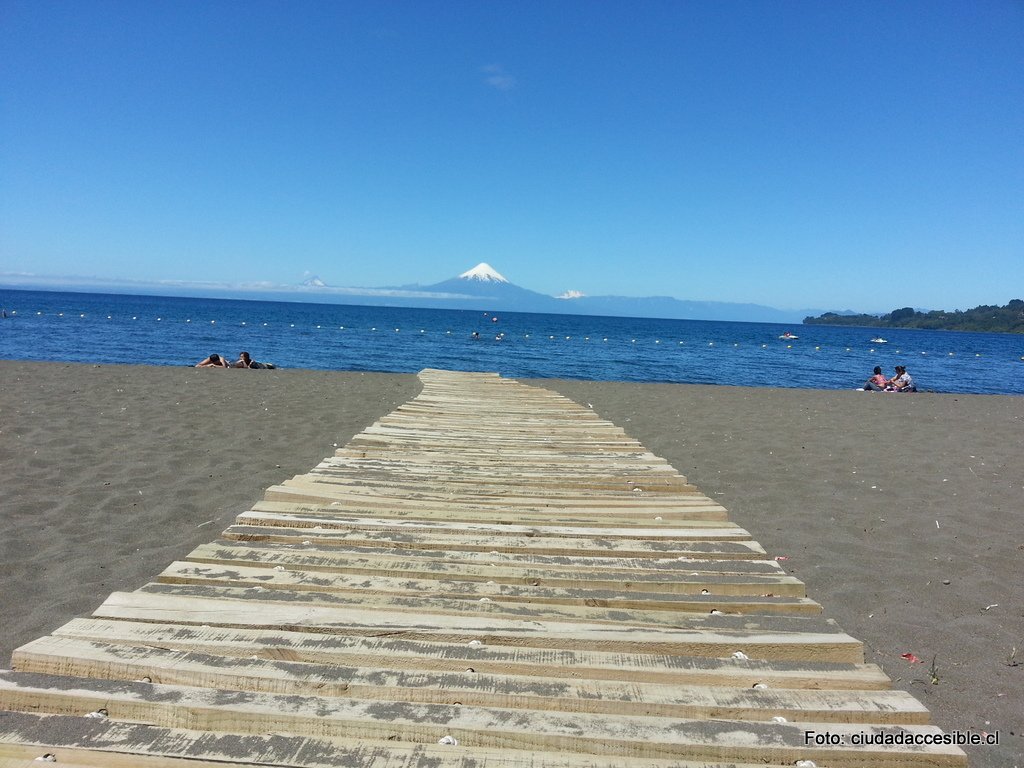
(901, 513)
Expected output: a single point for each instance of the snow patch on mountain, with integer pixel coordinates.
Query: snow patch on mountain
(484, 273)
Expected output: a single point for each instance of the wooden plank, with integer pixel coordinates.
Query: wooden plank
(607, 735)
(113, 744)
(315, 524)
(694, 530)
(403, 654)
(82, 658)
(437, 603)
(581, 559)
(673, 578)
(555, 522)
(381, 587)
(225, 612)
(619, 554)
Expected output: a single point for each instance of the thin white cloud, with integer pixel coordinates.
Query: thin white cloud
(571, 294)
(29, 280)
(496, 77)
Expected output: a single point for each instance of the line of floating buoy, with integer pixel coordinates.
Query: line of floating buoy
(500, 336)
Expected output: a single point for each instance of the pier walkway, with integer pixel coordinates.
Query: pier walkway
(490, 576)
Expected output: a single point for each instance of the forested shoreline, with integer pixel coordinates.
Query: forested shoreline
(986, 318)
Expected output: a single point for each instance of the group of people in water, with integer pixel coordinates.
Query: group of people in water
(901, 382)
(243, 361)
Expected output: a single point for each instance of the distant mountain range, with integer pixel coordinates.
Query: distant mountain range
(484, 288)
(480, 288)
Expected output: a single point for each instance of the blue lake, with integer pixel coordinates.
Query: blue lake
(109, 328)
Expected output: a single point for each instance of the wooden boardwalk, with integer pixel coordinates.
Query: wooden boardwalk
(490, 576)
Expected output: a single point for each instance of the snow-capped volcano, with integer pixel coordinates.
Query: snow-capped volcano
(484, 273)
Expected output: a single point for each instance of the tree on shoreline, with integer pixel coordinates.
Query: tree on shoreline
(986, 318)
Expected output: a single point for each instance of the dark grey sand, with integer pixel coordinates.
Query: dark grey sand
(111, 472)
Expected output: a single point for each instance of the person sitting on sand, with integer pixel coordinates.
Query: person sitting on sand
(213, 361)
(901, 382)
(877, 382)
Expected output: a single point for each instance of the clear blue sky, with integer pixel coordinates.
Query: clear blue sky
(833, 155)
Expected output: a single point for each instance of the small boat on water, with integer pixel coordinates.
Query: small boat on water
(879, 340)
(788, 335)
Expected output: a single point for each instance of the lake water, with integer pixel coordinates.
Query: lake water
(109, 328)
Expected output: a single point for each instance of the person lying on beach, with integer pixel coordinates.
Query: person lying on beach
(244, 361)
(877, 382)
(213, 361)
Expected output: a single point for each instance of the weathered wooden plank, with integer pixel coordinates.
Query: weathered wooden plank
(404, 654)
(690, 530)
(370, 587)
(82, 658)
(113, 744)
(582, 558)
(437, 603)
(422, 495)
(620, 735)
(456, 513)
(312, 520)
(681, 578)
(483, 456)
(498, 630)
(615, 491)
